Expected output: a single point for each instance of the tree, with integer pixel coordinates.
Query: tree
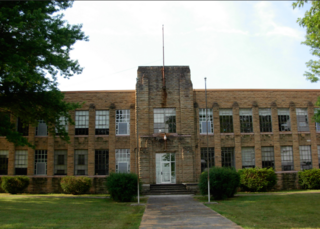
(35, 43)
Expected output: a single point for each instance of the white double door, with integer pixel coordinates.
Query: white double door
(165, 168)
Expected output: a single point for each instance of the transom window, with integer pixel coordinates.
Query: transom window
(284, 119)
(227, 157)
(123, 122)
(101, 162)
(41, 129)
(302, 119)
(286, 158)
(164, 120)
(60, 162)
(40, 162)
(203, 121)
(21, 162)
(102, 122)
(123, 160)
(4, 154)
(245, 120)
(204, 158)
(226, 121)
(305, 157)
(248, 157)
(265, 120)
(81, 162)
(267, 153)
(82, 123)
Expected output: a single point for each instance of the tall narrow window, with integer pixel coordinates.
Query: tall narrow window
(102, 122)
(286, 158)
(204, 158)
(203, 121)
(317, 123)
(227, 157)
(4, 118)
(60, 162)
(64, 123)
(40, 162)
(101, 162)
(123, 122)
(164, 120)
(21, 162)
(4, 162)
(22, 128)
(284, 119)
(123, 160)
(82, 123)
(226, 121)
(265, 120)
(81, 162)
(267, 154)
(248, 157)
(41, 129)
(302, 119)
(305, 157)
(245, 120)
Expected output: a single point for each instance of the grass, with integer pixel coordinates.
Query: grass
(272, 211)
(284, 192)
(67, 213)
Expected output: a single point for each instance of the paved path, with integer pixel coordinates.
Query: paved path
(181, 212)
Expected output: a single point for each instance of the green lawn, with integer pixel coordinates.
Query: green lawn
(272, 211)
(67, 213)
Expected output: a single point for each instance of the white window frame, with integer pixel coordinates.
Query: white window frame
(102, 119)
(161, 117)
(122, 116)
(122, 156)
(203, 121)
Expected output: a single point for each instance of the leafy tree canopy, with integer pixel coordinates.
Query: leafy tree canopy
(35, 43)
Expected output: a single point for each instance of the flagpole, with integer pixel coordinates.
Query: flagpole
(205, 80)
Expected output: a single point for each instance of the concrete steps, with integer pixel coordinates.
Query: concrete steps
(168, 189)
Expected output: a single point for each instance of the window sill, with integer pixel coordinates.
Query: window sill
(226, 133)
(101, 135)
(285, 132)
(206, 134)
(246, 133)
(76, 136)
(44, 136)
(122, 135)
(267, 133)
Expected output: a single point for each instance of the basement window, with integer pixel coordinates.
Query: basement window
(122, 160)
(226, 121)
(204, 158)
(60, 162)
(40, 162)
(284, 119)
(64, 123)
(227, 157)
(302, 119)
(22, 128)
(286, 158)
(267, 153)
(101, 162)
(82, 123)
(122, 122)
(164, 120)
(21, 162)
(81, 162)
(305, 157)
(245, 120)
(203, 121)
(102, 122)
(41, 129)
(248, 157)
(265, 120)
(4, 154)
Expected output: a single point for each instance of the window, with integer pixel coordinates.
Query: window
(204, 158)
(60, 162)
(317, 123)
(4, 154)
(22, 128)
(102, 122)
(286, 158)
(123, 122)
(81, 162)
(41, 129)
(4, 118)
(203, 121)
(40, 162)
(248, 157)
(82, 123)
(21, 162)
(164, 120)
(265, 120)
(226, 121)
(101, 162)
(267, 153)
(64, 123)
(305, 157)
(123, 160)
(284, 119)
(302, 119)
(227, 157)
(245, 120)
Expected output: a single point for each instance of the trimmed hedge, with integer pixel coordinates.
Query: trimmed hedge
(75, 185)
(122, 186)
(310, 178)
(257, 179)
(14, 185)
(223, 182)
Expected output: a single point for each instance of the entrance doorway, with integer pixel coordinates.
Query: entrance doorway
(165, 168)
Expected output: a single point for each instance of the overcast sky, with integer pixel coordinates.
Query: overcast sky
(234, 44)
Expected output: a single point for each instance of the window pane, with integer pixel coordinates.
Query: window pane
(164, 120)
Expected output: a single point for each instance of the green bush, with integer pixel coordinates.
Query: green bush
(122, 186)
(257, 179)
(223, 182)
(310, 178)
(75, 185)
(15, 184)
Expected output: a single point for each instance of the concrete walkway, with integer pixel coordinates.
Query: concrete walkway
(181, 212)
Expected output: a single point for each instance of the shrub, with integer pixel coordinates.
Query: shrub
(257, 179)
(310, 178)
(75, 185)
(223, 182)
(15, 184)
(122, 186)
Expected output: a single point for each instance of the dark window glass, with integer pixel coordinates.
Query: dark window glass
(101, 162)
(204, 156)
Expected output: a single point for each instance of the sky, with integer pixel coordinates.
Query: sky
(237, 45)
